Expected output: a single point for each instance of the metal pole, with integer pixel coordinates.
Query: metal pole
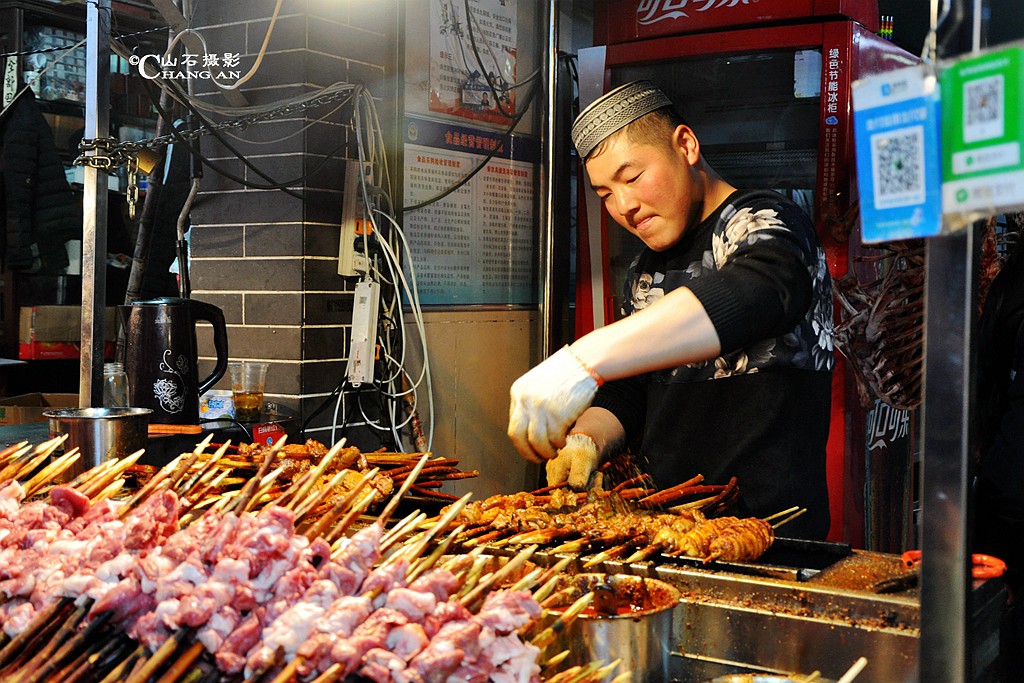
(950, 300)
(945, 581)
(94, 225)
(550, 68)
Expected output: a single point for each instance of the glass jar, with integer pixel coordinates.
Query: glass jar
(115, 386)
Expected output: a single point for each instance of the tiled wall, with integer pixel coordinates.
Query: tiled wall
(267, 259)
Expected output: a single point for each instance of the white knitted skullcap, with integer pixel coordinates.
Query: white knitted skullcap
(613, 110)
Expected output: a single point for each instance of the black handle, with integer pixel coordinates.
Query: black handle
(200, 310)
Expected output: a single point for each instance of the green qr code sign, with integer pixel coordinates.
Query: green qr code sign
(983, 136)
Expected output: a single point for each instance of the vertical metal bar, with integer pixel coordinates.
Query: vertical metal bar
(94, 225)
(945, 582)
(549, 136)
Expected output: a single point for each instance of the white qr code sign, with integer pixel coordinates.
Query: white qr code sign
(982, 136)
(895, 124)
(897, 167)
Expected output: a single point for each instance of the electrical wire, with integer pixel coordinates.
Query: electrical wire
(284, 186)
(507, 135)
(259, 56)
(470, 20)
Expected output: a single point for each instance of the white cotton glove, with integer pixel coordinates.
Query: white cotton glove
(576, 463)
(546, 401)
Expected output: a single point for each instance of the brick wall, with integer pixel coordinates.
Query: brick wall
(266, 258)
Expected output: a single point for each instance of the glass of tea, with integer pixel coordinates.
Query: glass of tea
(248, 380)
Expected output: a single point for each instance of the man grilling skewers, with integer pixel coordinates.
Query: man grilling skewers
(722, 364)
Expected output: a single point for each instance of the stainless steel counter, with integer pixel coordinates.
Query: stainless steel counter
(785, 620)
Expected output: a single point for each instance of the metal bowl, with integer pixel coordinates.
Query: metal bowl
(100, 434)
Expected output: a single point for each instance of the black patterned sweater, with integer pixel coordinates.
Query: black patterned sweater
(760, 411)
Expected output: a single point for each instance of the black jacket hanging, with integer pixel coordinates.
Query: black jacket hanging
(38, 210)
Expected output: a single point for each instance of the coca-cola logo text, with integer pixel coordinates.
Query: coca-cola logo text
(652, 11)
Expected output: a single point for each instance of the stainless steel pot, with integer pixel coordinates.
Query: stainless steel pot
(639, 636)
(100, 434)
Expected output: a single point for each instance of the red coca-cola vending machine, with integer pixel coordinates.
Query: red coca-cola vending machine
(767, 87)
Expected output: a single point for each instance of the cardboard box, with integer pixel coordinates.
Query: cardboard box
(27, 408)
(42, 350)
(59, 324)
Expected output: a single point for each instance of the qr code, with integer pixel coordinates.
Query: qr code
(984, 100)
(897, 165)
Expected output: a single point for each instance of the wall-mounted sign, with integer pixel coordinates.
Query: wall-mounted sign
(982, 134)
(476, 245)
(896, 132)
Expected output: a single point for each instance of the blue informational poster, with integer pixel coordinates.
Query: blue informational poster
(896, 137)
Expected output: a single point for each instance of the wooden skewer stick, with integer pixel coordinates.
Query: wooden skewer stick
(65, 646)
(780, 513)
(789, 519)
(161, 474)
(338, 509)
(471, 577)
(197, 486)
(555, 661)
(86, 663)
(605, 555)
(548, 635)
(692, 504)
(341, 527)
(643, 554)
(482, 540)
(245, 497)
(113, 472)
(854, 670)
(300, 492)
(39, 456)
(200, 498)
(112, 490)
(263, 492)
(289, 670)
(184, 463)
(14, 461)
(9, 451)
(54, 469)
(529, 580)
(426, 563)
(182, 664)
(303, 508)
(204, 471)
(399, 531)
(567, 676)
(494, 579)
(119, 672)
(448, 516)
(332, 674)
(43, 620)
(410, 480)
(163, 653)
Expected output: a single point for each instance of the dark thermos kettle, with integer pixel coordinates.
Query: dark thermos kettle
(161, 356)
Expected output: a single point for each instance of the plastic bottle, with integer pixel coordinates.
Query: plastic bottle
(115, 386)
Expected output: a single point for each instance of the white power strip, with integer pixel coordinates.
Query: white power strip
(351, 208)
(363, 343)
